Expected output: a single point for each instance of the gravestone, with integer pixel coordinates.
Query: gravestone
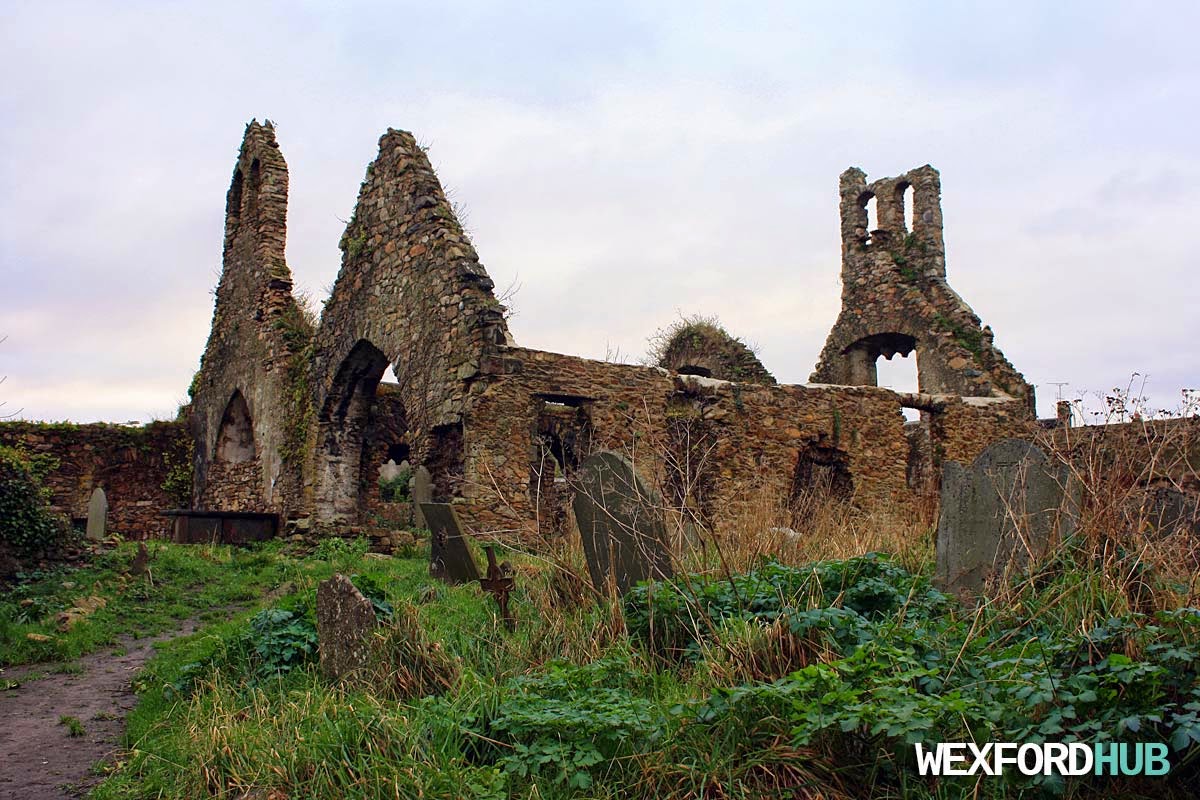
(1004, 509)
(450, 559)
(345, 622)
(97, 518)
(620, 520)
(420, 489)
(1166, 510)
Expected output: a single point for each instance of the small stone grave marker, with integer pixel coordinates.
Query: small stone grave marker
(450, 559)
(421, 491)
(620, 521)
(1005, 508)
(97, 518)
(345, 622)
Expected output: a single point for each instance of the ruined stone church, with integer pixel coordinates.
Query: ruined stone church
(292, 418)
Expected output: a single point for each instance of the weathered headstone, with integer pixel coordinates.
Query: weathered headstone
(421, 491)
(345, 622)
(450, 559)
(620, 521)
(97, 518)
(1004, 509)
(1166, 510)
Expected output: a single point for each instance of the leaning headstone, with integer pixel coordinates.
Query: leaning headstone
(345, 621)
(450, 559)
(97, 518)
(620, 521)
(1003, 510)
(421, 491)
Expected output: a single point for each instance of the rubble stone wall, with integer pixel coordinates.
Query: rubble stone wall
(132, 464)
(753, 436)
(411, 293)
(256, 346)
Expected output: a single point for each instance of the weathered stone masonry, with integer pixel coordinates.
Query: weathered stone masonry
(142, 469)
(248, 411)
(502, 428)
(289, 416)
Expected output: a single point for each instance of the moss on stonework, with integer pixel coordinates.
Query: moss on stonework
(699, 341)
(969, 339)
(178, 462)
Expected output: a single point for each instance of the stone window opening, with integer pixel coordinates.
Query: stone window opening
(693, 369)
(905, 197)
(870, 216)
(898, 371)
(561, 440)
(863, 356)
(394, 475)
(822, 477)
(235, 438)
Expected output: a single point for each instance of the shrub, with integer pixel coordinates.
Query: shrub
(27, 525)
(395, 489)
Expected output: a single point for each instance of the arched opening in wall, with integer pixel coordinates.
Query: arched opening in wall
(694, 369)
(899, 373)
(905, 192)
(342, 425)
(821, 484)
(562, 438)
(862, 357)
(869, 206)
(235, 437)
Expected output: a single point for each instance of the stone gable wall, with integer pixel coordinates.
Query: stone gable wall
(411, 293)
(256, 345)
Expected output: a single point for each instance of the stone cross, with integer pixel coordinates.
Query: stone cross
(450, 559)
(97, 518)
(1005, 509)
(620, 521)
(345, 622)
(421, 491)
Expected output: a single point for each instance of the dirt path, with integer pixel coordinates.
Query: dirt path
(39, 760)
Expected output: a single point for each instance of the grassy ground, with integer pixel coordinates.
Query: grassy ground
(182, 582)
(793, 676)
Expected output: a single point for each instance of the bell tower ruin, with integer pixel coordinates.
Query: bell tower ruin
(895, 298)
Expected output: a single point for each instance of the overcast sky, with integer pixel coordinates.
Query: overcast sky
(622, 163)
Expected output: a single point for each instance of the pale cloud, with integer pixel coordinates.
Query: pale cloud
(625, 164)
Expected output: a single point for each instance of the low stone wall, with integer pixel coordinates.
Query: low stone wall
(143, 470)
(710, 445)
